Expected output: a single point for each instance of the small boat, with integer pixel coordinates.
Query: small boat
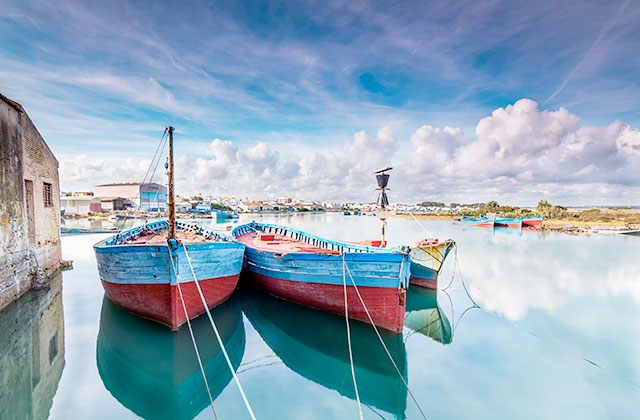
(475, 221)
(427, 257)
(532, 222)
(147, 269)
(81, 231)
(153, 372)
(310, 270)
(314, 345)
(509, 222)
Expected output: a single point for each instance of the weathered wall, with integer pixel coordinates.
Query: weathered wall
(25, 259)
(40, 166)
(14, 244)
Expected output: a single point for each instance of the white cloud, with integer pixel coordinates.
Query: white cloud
(519, 152)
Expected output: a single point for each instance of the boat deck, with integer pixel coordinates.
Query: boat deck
(281, 244)
(160, 238)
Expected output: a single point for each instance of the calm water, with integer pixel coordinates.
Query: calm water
(557, 335)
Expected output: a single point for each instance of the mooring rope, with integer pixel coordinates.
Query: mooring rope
(375, 328)
(193, 337)
(215, 330)
(426, 232)
(346, 318)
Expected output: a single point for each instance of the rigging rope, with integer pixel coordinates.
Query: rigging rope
(375, 328)
(215, 330)
(193, 338)
(346, 317)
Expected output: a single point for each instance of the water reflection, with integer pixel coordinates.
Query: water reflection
(154, 372)
(314, 345)
(424, 315)
(31, 353)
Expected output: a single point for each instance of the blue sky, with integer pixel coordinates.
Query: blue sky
(288, 88)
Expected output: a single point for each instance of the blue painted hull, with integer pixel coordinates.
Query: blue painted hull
(317, 279)
(139, 276)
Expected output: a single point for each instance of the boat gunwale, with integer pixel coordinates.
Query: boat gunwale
(320, 242)
(118, 240)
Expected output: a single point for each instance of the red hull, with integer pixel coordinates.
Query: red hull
(161, 302)
(386, 306)
(427, 283)
(532, 223)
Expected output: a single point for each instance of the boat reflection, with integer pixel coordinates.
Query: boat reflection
(154, 372)
(31, 353)
(425, 316)
(314, 345)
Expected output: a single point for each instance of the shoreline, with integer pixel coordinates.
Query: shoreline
(575, 227)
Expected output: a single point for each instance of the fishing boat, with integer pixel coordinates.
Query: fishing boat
(314, 345)
(427, 258)
(312, 271)
(153, 372)
(532, 222)
(168, 271)
(475, 221)
(508, 222)
(424, 316)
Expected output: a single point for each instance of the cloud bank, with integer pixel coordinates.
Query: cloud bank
(520, 153)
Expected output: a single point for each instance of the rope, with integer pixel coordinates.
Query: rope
(159, 147)
(193, 338)
(375, 328)
(424, 229)
(215, 330)
(346, 318)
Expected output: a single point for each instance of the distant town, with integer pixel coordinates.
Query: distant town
(119, 198)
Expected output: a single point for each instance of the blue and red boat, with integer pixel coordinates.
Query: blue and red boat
(475, 221)
(532, 222)
(508, 222)
(311, 271)
(147, 270)
(427, 258)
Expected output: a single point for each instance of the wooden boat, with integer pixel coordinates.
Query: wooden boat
(532, 222)
(308, 270)
(427, 258)
(425, 316)
(314, 345)
(144, 269)
(475, 221)
(508, 222)
(153, 372)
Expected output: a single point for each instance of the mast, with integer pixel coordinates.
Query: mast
(171, 199)
(383, 180)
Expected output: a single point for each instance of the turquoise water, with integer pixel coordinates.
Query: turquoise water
(556, 335)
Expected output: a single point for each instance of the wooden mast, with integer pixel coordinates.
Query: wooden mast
(171, 199)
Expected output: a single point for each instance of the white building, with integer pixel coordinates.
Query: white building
(80, 205)
(148, 196)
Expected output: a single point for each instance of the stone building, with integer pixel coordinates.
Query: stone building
(29, 205)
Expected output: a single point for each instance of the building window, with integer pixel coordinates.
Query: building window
(46, 195)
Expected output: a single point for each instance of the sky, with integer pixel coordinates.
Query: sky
(469, 101)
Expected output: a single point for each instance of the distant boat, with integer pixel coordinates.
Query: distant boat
(147, 269)
(314, 345)
(532, 222)
(346, 213)
(475, 221)
(80, 231)
(307, 269)
(153, 372)
(427, 258)
(425, 316)
(510, 222)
